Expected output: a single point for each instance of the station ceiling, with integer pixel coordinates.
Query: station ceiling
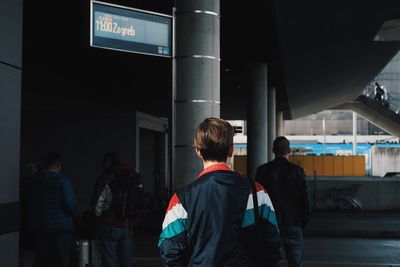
(320, 54)
(323, 52)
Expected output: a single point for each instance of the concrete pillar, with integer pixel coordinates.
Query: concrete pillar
(197, 80)
(324, 133)
(354, 134)
(10, 112)
(257, 117)
(271, 121)
(280, 124)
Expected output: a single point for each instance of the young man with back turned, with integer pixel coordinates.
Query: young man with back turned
(286, 184)
(210, 222)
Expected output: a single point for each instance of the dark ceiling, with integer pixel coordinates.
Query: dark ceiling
(329, 53)
(320, 54)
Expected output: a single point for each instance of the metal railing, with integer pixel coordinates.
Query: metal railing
(387, 101)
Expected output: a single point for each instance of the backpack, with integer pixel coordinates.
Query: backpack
(126, 194)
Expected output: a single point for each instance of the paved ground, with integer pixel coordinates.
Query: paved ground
(355, 224)
(328, 252)
(331, 240)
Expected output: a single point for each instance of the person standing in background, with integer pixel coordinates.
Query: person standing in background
(116, 203)
(52, 209)
(286, 184)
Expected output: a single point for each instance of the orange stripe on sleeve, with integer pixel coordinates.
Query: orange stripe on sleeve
(174, 201)
(260, 187)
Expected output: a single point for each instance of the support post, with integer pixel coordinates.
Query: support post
(354, 134)
(197, 81)
(257, 138)
(271, 121)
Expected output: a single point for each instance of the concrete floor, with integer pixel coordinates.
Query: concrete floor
(355, 224)
(318, 252)
(343, 252)
(323, 252)
(331, 240)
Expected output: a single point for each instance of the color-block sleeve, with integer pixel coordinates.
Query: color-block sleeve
(173, 238)
(265, 207)
(267, 229)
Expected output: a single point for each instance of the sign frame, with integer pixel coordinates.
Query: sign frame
(171, 34)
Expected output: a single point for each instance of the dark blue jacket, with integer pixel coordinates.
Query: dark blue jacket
(210, 223)
(52, 204)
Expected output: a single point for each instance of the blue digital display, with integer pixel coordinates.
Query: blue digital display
(131, 30)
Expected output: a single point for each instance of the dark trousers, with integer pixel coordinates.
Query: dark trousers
(115, 246)
(378, 97)
(53, 249)
(292, 239)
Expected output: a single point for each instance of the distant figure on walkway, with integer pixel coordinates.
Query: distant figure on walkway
(286, 184)
(379, 93)
(385, 98)
(211, 221)
(52, 210)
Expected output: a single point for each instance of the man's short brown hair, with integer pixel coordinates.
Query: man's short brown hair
(214, 139)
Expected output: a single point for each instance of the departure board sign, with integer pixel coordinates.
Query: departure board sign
(132, 30)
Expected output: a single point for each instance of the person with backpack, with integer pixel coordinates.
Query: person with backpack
(116, 203)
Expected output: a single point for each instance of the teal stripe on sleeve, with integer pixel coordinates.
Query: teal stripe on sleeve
(248, 218)
(265, 212)
(173, 229)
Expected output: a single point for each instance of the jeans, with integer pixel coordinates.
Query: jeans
(53, 249)
(115, 246)
(292, 239)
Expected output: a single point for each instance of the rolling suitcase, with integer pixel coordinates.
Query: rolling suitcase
(89, 255)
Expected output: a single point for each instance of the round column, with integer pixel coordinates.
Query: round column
(354, 134)
(197, 80)
(257, 117)
(280, 124)
(271, 121)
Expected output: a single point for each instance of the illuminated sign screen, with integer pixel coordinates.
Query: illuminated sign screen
(132, 30)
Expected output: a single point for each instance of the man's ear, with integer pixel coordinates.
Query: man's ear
(198, 153)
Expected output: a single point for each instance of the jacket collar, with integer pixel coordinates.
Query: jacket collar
(280, 159)
(215, 167)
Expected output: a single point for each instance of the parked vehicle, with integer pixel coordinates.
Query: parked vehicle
(392, 174)
(344, 198)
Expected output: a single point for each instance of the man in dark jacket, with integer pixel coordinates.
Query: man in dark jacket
(211, 221)
(286, 184)
(51, 211)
